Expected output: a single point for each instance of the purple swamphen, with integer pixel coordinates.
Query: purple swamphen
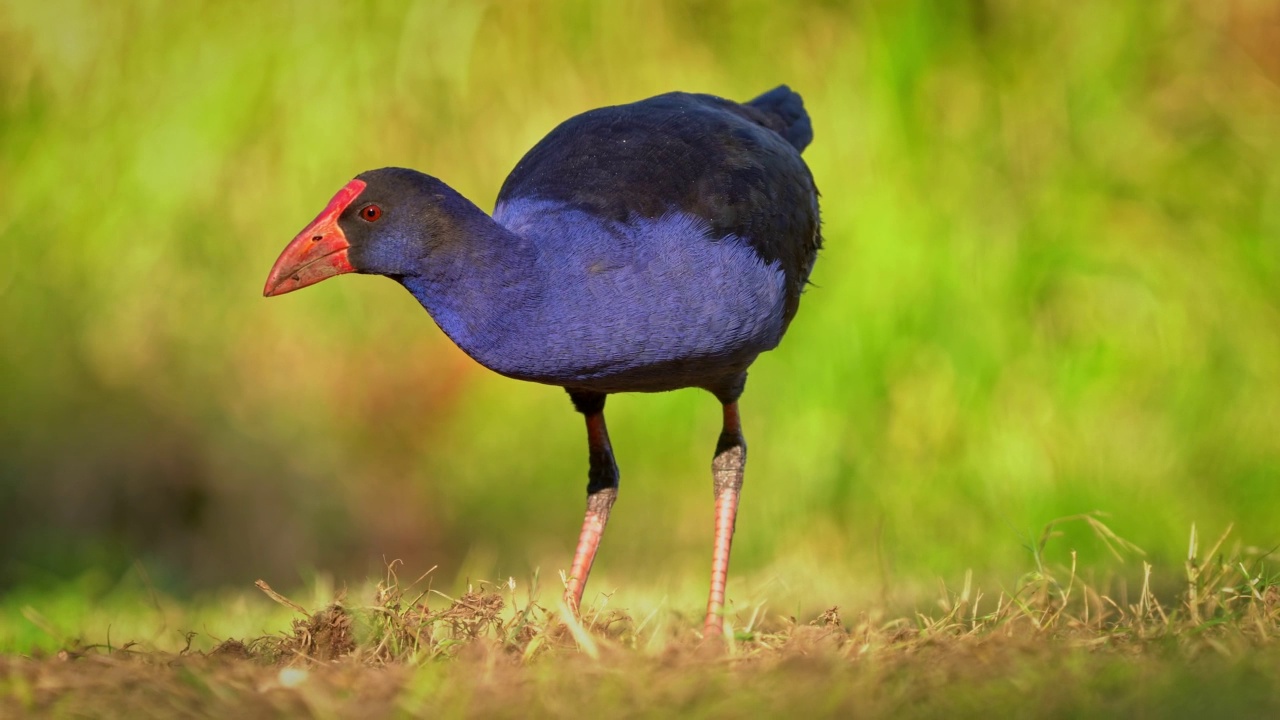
(638, 248)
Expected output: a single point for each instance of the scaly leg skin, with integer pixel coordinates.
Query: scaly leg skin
(726, 469)
(602, 490)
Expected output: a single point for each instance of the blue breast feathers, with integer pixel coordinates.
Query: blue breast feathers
(648, 304)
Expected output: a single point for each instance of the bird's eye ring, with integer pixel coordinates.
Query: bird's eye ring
(371, 213)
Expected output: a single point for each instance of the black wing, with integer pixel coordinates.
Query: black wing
(736, 166)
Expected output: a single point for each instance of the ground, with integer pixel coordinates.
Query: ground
(1053, 646)
(819, 672)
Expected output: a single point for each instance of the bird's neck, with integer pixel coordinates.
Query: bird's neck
(479, 283)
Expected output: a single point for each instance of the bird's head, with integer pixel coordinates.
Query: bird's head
(382, 222)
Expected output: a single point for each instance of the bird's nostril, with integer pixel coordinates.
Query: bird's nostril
(317, 238)
(297, 278)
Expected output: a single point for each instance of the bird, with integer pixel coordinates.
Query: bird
(643, 247)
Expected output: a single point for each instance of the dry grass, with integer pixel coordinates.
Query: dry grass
(1053, 640)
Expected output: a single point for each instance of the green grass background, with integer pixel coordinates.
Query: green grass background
(1051, 285)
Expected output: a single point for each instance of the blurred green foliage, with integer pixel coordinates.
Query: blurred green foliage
(1050, 286)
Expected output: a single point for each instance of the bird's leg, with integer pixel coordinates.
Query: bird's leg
(726, 469)
(602, 490)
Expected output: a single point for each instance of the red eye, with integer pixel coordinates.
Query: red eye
(371, 212)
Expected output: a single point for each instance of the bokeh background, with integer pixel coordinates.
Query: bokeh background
(1050, 286)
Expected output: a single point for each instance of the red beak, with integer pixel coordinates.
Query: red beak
(318, 252)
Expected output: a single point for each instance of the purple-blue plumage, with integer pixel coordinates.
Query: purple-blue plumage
(597, 304)
(642, 247)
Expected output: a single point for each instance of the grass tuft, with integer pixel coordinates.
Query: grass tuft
(1226, 598)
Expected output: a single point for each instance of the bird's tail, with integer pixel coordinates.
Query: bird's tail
(785, 109)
